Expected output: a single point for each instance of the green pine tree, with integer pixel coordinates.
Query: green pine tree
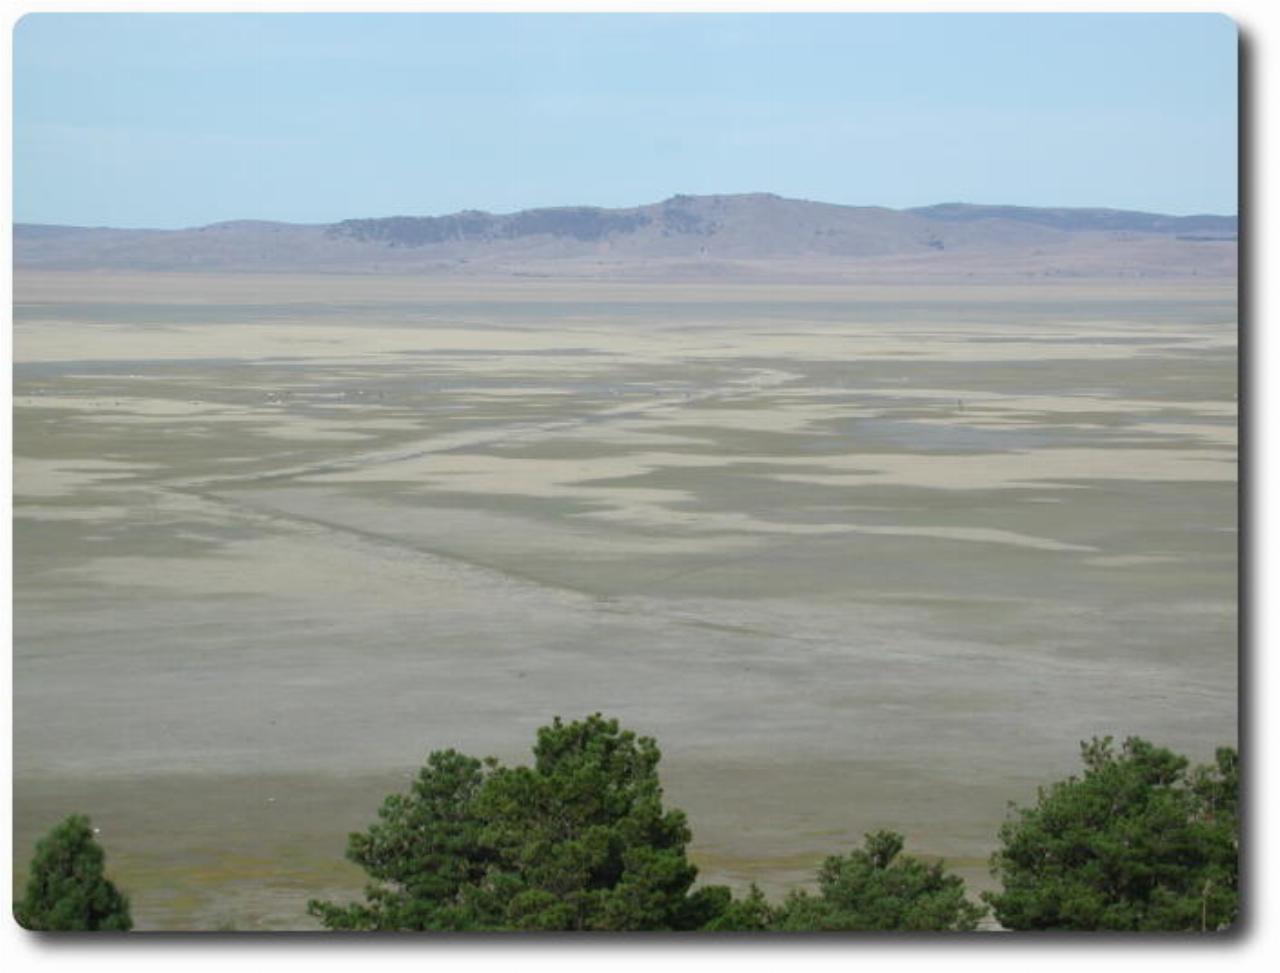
(1139, 843)
(876, 889)
(67, 890)
(578, 841)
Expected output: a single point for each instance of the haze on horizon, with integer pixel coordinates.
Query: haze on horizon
(175, 120)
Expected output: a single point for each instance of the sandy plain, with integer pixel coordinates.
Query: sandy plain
(858, 556)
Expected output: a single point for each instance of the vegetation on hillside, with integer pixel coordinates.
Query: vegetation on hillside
(580, 840)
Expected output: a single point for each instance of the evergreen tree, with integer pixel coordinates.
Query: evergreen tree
(578, 841)
(67, 890)
(876, 889)
(1139, 843)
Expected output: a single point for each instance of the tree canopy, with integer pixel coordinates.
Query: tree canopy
(67, 889)
(875, 888)
(581, 840)
(578, 841)
(1138, 843)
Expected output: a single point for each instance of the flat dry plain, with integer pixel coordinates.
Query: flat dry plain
(858, 556)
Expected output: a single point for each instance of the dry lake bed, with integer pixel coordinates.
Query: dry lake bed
(858, 556)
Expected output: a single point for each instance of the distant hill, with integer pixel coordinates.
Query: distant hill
(1083, 220)
(738, 235)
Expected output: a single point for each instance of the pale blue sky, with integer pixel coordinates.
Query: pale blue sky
(171, 120)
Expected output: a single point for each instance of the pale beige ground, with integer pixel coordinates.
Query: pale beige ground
(859, 556)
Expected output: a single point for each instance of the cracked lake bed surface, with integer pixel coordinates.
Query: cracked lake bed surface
(857, 557)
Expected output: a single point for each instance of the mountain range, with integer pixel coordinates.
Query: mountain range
(746, 235)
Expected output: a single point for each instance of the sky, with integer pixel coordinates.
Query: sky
(170, 120)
